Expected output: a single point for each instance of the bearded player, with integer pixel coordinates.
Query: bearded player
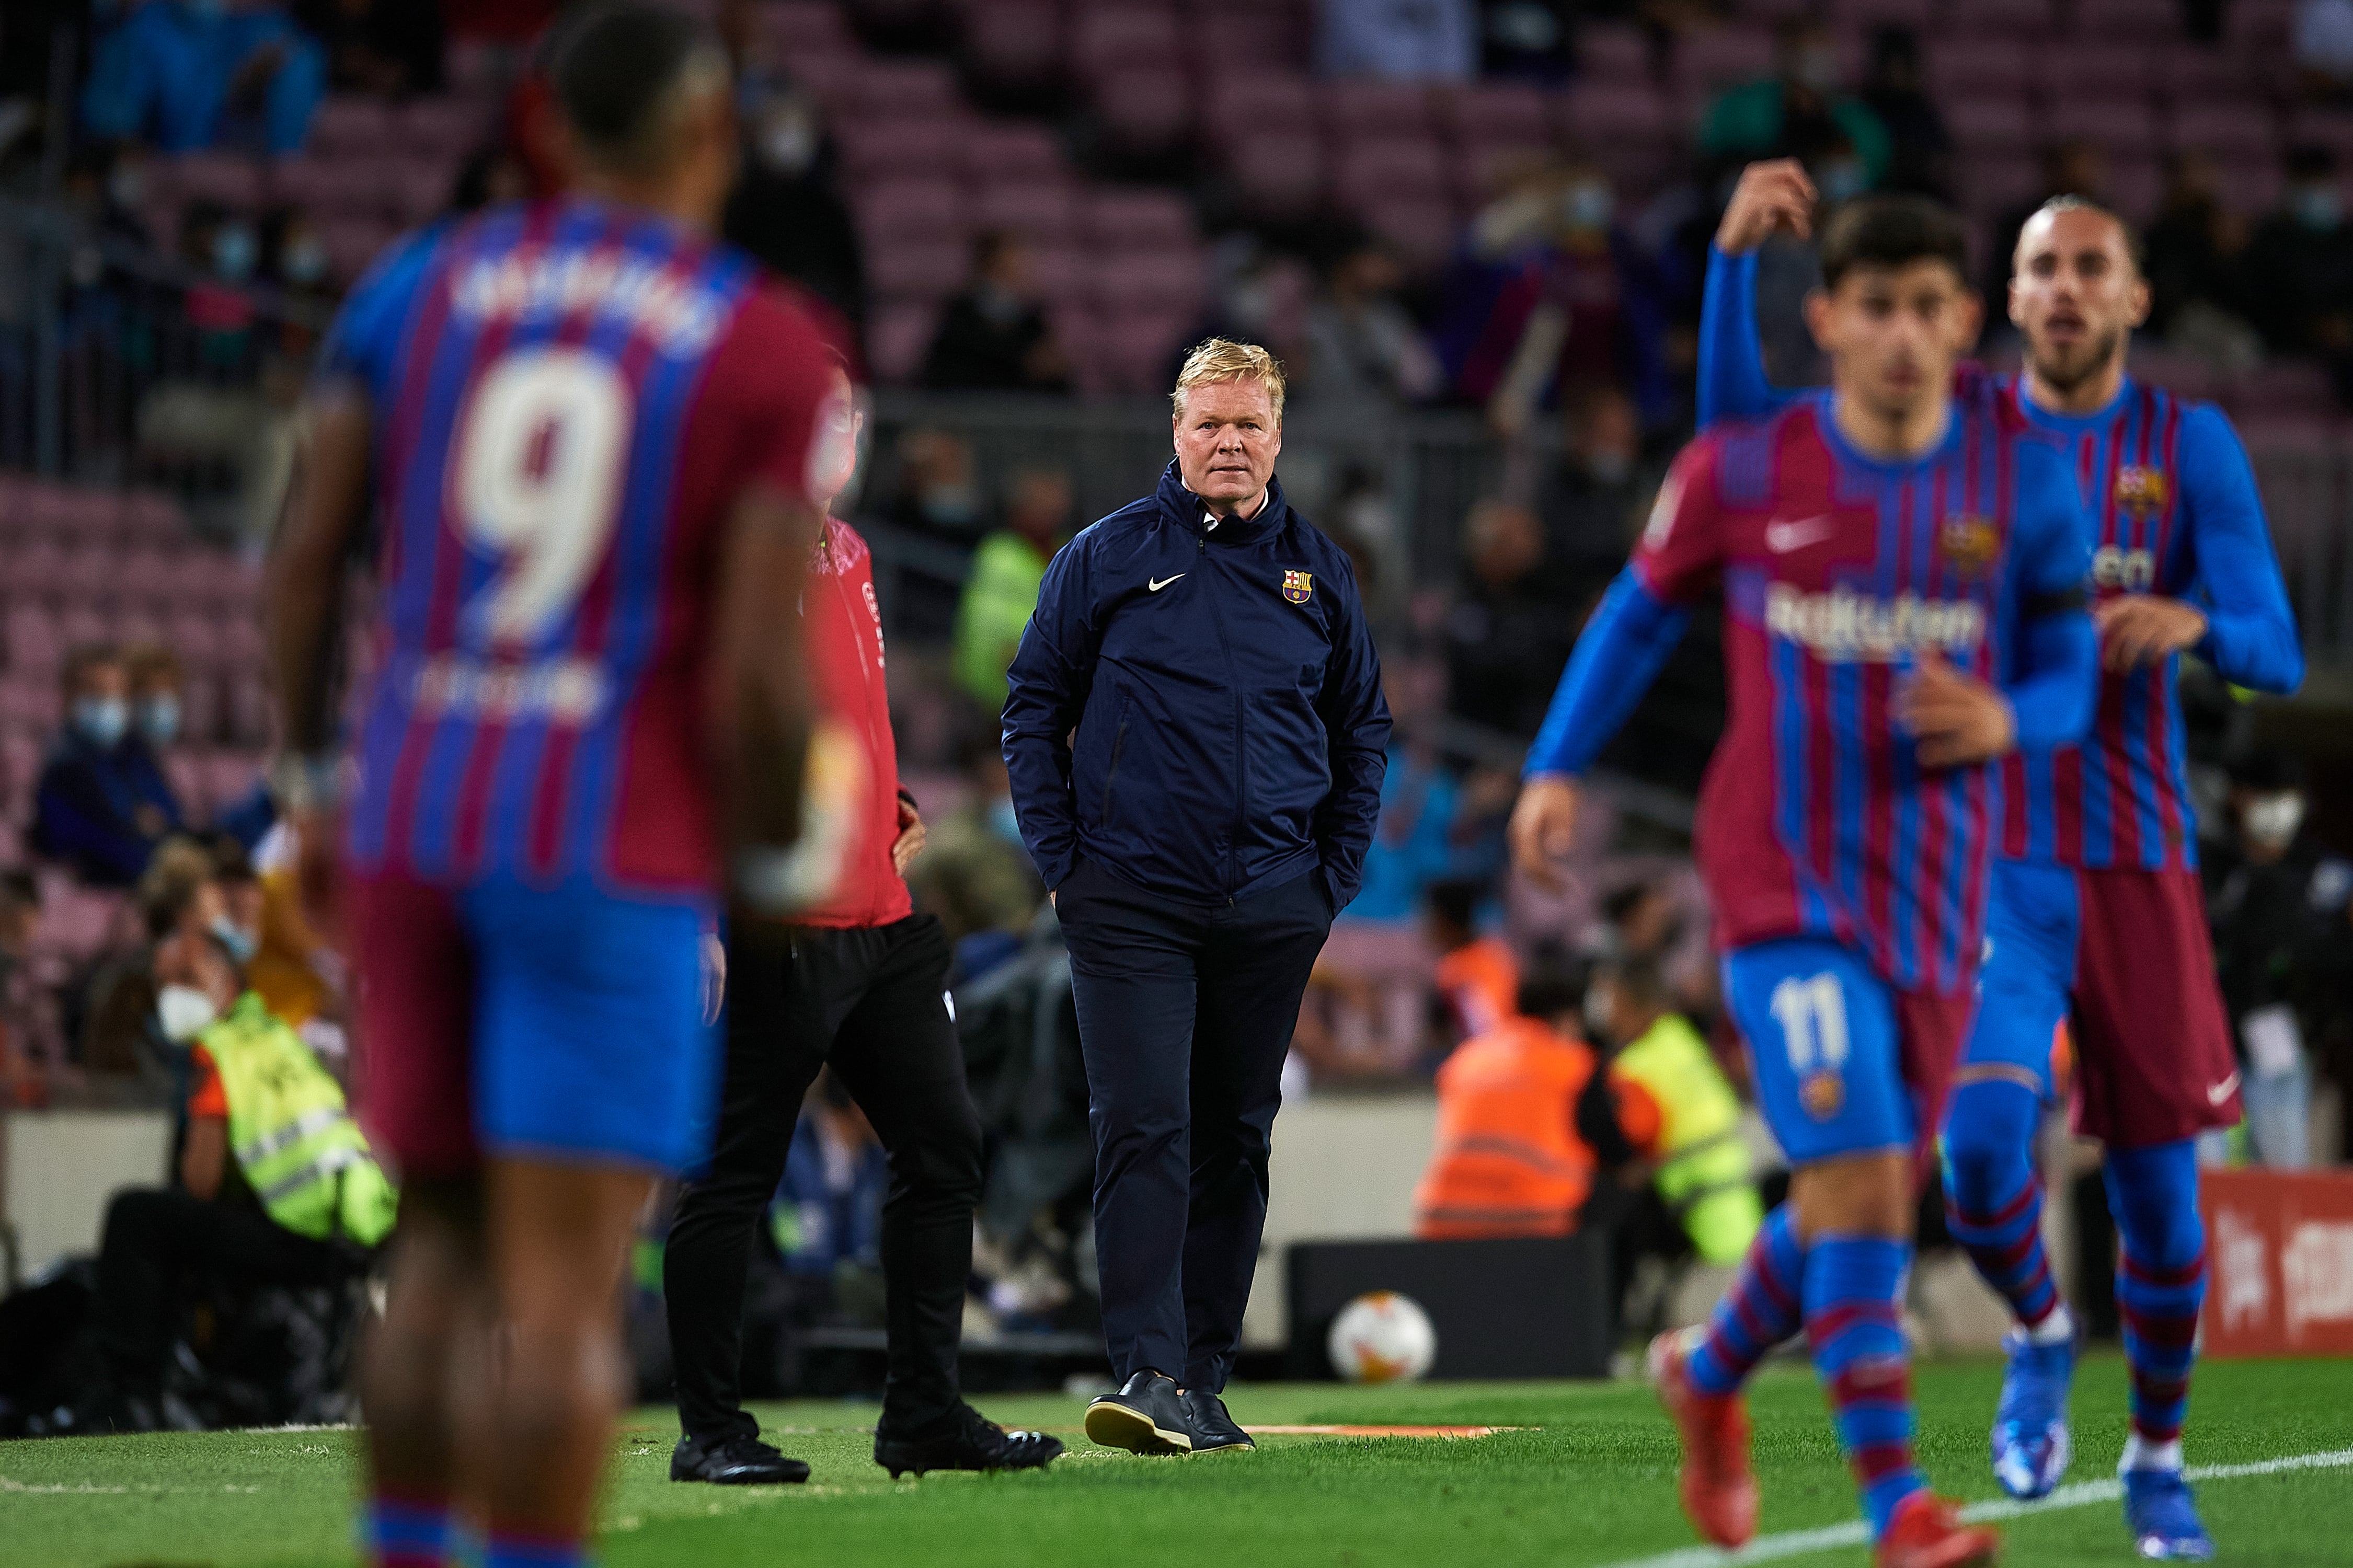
(1902, 571)
(2097, 911)
(585, 435)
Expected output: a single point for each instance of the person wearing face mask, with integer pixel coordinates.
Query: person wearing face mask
(993, 335)
(786, 209)
(1804, 96)
(2298, 267)
(859, 984)
(1003, 587)
(277, 1185)
(294, 256)
(1920, 147)
(103, 802)
(1590, 501)
(2279, 906)
(157, 685)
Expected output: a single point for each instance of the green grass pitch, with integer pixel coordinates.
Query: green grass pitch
(1593, 1488)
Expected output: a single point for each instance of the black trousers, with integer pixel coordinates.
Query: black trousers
(1185, 1016)
(872, 1002)
(154, 1236)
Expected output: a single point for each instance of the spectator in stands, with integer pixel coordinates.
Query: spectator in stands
(994, 336)
(1591, 501)
(1003, 588)
(2192, 261)
(1507, 636)
(1412, 846)
(1799, 108)
(1423, 41)
(158, 689)
(2283, 946)
(1361, 353)
(493, 176)
(294, 255)
(1528, 40)
(2069, 169)
(102, 803)
(2299, 268)
(191, 74)
(29, 1039)
(1920, 149)
(388, 48)
(1477, 975)
(786, 210)
(974, 873)
(2323, 42)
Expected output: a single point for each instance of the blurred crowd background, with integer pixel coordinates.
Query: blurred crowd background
(1475, 232)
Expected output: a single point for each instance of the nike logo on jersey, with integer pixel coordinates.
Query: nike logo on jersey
(2221, 1091)
(1160, 582)
(1781, 537)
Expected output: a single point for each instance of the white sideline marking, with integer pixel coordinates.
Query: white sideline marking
(1797, 1543)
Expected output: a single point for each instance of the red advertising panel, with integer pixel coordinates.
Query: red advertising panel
(2280, 1243)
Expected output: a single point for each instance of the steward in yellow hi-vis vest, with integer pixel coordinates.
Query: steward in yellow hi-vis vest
(1676, 1107)
(1509, 1160)
(290, 1133)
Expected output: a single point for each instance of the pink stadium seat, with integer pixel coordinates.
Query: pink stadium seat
(1062, 274)
(1260, 103)
(444, 128)
(1013, 46)
(151, 515)
(1479, 174)
(1864, 14)
(910, 210)
(1144, 108)
(2001, 18)
(833, 78)
(352, 242)
(1147, 282)
(1133, 352)
(1990, 127)
(1422, 231)
(2135, 185)
(80, 625)
(2330, 129)
(795, 25)
(38, 568)
(30, 639)
(353, 124)
(2177, 373)
(1010, 149)
(229, 178)
(908, 89)
(1722, 56)
(2188, 73)
(136, 628)
(200, 708)
(2070, 71)
(2249, 187)
(84, 575)
(2142, 20)
(1974, 67)
(1992, 184)
(414, 189)
(229, 776)
(1120, 219)
(1595, 115)
(1247, 30)
(917, 269)
(2237, 131)
(193, 638)
(1354, 110)
(1494, 112)
(1612, 52)
(319, 185)
(183, 770)
(1277, 176)
(886, 149)
(2283, 387)
(2260, 27)
(243, 646)
(1397, 169)
(2120, 125)
(1041, 210)
(1108, 37)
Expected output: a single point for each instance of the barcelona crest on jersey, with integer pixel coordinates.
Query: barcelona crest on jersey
(2141, 490)
(1297, 586)
(1969, 542)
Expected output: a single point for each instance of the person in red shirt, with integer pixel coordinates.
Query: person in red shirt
(858, 982)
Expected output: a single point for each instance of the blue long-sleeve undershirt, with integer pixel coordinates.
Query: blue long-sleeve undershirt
(2250, 637)
(1732, 380)
(1621, 652)
(2056, 689)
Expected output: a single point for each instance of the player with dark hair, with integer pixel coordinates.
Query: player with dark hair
(585, 435)
(2097, 907)
(1902, 569)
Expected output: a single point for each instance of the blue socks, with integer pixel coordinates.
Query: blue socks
(1993, 1201)
(407, 1533)
(1854, 1286)
(1762, 1309)
(2160, 1285)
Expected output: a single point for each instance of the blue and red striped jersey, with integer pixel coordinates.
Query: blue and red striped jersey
(2174, 511)
(567, 399)
(1838, 572)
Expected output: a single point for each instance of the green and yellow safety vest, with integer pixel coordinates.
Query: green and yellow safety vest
(291, 1132)
(1705, 1173)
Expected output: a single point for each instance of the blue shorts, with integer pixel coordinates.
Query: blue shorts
(1825, 1048)
(522, 1022)
(2030, 967)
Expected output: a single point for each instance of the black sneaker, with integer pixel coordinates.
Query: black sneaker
(966, 1441)
(1147, 1416)
(733, 1459)
(1213, 1429)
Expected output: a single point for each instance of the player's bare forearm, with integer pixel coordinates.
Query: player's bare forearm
(759, 697)
(1954, 719)
(2138, 629)
(324, 513)
(1774, 195)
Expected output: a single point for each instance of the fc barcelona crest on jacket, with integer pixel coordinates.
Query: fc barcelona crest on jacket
(1969, 542)
(2141, 491)
(1297, 586)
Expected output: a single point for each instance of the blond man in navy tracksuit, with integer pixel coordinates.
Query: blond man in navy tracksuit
(1200, 830)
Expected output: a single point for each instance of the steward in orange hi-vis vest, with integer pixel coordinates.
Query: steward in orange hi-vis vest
(1509, 1160)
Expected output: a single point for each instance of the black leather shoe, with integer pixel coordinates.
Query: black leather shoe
(1214, 1430)
(733, 1459)
(1147, 1416)
(966, 1441)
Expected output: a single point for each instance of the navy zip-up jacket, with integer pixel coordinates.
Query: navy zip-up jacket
(1230, 728)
